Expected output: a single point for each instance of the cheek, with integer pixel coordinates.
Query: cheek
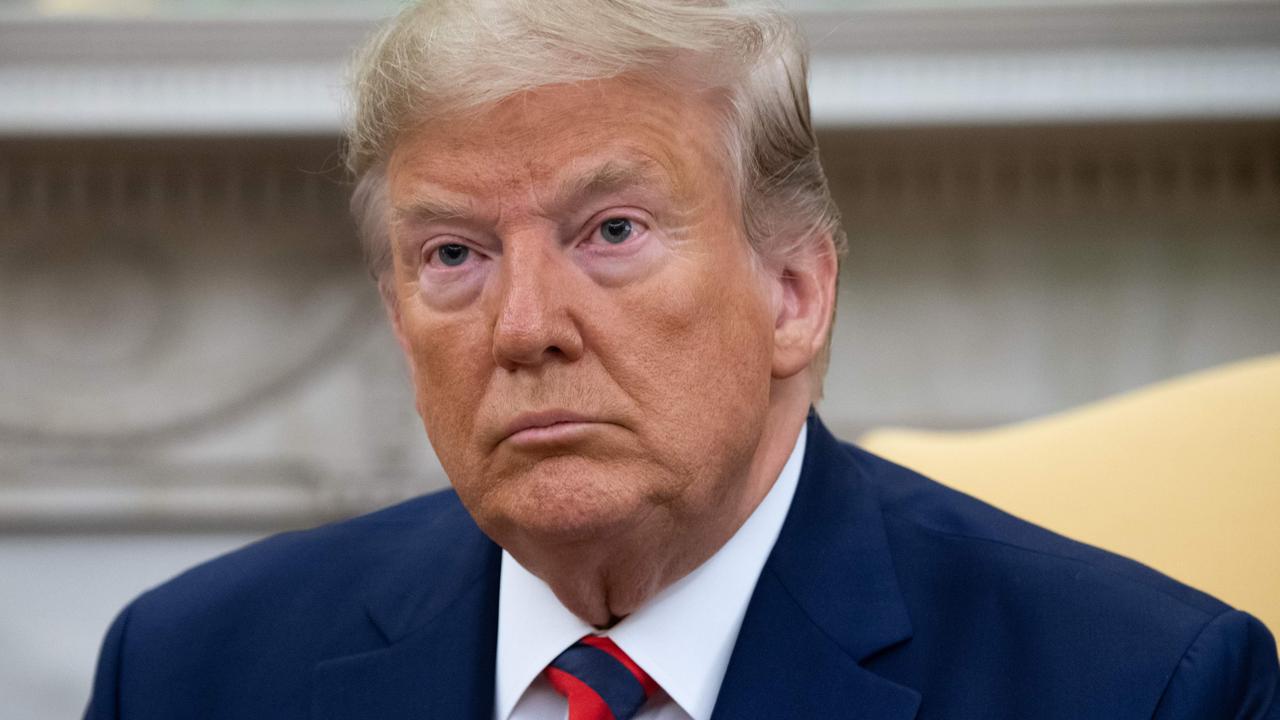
(451, 360)
(732, 342)
(697, 357)
(697, 341)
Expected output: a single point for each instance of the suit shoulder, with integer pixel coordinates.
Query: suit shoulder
(318, 560)
(1230, 670)
(240, 635)
(986, 586)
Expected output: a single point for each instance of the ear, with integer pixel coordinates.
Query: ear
(803, 301)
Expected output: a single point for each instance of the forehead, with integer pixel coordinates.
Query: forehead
(584, 133)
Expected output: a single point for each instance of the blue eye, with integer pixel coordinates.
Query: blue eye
(453, 254)
(615, 230)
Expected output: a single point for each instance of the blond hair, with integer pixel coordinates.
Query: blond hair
(440, 58)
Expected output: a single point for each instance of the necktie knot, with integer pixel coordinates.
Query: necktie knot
(600, 681)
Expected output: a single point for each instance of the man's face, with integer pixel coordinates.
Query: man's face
(589, 336)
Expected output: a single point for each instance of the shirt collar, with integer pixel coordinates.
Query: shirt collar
(683, 637)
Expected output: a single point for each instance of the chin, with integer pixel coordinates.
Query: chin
(566, 500)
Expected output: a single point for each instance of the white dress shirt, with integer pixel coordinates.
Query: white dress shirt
(683, 637)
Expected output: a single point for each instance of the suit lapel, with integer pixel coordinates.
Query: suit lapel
(826, 600)
(441, 633)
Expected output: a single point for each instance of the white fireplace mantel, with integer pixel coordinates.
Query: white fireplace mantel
(965, 64)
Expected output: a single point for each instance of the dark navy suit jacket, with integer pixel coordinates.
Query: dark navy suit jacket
(887, 596)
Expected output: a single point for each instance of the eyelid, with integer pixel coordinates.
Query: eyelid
(431, 247)
(638, 217)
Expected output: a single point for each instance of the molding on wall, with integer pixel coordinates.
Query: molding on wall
(270, 393)
(871, 66)
(222, 361)
(1171, 169)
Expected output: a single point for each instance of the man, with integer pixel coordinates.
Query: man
(608, 252)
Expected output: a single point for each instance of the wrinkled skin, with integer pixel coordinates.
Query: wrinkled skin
(611, 378)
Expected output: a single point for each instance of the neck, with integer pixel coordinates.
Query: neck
(602, 580)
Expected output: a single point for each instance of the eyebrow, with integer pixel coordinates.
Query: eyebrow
(427, 209)
(607, 178)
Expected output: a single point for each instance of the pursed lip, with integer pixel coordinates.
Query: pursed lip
(545, 424)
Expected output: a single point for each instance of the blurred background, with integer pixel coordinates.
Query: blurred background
(1047, 202)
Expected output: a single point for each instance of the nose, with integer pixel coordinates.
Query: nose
(535, 315)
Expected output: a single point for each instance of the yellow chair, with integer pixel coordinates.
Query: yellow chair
(1183, 476)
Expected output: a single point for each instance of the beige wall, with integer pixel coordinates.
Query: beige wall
(191, 355)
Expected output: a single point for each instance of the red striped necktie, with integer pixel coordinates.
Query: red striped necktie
(600, 681)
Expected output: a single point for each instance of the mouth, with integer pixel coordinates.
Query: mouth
(548, 427)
